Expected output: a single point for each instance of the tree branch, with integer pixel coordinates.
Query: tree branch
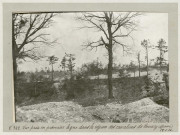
(89, 18)
(125, 47)
(95, 44)
(31, 27)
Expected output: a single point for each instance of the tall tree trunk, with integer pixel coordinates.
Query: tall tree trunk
(160, 60)
(14, 52)
(110, 73)
(110, 53)
(160, 68)
(147, 68)
(15, 84)
(15, 79)
(15, 73)
(147, 62)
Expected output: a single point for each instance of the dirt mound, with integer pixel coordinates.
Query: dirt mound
(52, 112)
(144, 110)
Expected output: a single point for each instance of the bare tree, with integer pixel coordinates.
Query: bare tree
(113, 26)
(27, 35)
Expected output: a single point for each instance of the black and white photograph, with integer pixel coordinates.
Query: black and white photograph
(100, 67)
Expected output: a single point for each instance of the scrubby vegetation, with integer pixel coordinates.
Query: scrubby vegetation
(91, 92)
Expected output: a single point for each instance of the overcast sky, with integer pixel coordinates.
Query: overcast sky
(152, 26)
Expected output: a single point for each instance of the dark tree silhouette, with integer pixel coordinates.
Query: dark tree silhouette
(63, 63)
(67, 62)
(113, 26)
(70, 63)
(146, 45)
(52, 60)
(132, 67)
(139, 62)
(162, 50)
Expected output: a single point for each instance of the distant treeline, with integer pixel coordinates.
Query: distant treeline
(90, 70)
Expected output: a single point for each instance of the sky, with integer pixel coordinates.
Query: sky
(152, 26)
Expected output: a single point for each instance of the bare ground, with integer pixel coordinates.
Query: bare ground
(144, 110)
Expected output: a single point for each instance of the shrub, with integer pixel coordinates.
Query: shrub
(122, 73)
(159, 91)
(33, 90)
(78, 86)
